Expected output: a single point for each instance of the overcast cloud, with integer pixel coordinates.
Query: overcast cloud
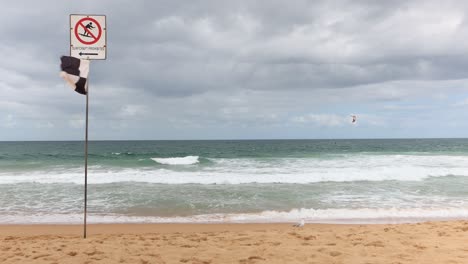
(240, 69)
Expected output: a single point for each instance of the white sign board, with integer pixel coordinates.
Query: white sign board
(88, 37)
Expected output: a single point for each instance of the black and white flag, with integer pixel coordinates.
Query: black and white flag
(75, 72)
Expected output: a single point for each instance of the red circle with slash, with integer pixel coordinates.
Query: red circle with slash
(95, 38)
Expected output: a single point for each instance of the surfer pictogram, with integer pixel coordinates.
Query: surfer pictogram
(90, 27)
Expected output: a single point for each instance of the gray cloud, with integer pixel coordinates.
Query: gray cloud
(233, 68)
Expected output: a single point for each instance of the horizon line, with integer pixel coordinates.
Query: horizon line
(247, 139)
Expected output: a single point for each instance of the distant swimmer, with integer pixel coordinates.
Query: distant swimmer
(354, 119)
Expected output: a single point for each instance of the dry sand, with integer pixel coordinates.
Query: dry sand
(432, 242)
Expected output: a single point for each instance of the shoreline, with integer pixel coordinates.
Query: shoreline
(195, 221)
(428, 242)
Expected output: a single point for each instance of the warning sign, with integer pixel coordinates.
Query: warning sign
(88, 37)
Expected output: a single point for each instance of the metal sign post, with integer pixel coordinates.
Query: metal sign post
(86, 164)
(88, 41)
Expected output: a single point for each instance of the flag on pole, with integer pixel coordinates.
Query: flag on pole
(75, 73)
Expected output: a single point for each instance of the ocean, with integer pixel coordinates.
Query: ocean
(235, 181)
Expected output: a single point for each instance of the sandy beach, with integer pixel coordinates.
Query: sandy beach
(431, 242)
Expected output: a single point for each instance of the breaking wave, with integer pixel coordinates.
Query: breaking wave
(188, 160)
(241, 171)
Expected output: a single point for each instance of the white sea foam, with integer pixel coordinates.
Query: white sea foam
(363, 215)
(188, 160)
(239, 171)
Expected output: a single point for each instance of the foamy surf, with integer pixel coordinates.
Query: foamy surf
(243, 171)
(336, 216)
(188, 160)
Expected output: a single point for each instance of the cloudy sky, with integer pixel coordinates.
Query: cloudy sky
(240, 69)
